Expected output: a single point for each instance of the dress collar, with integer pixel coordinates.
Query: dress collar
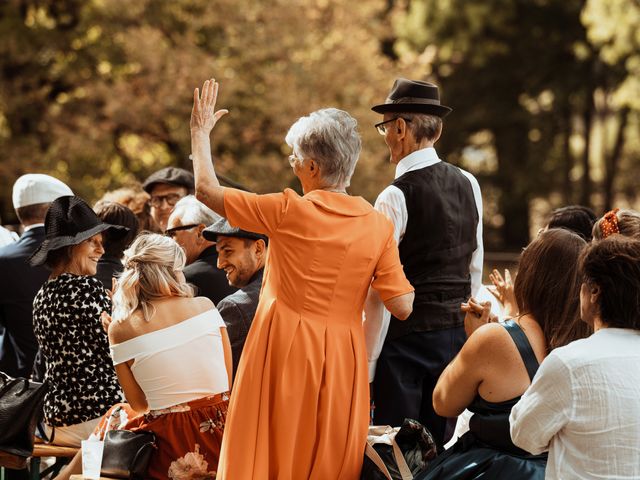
(422, 158)
(339, 203)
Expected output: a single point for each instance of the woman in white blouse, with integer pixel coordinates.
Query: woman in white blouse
(173, 359)
(584, 403)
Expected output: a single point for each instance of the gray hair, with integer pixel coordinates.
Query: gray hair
(192, 211)
(423, 126)
(330, 137)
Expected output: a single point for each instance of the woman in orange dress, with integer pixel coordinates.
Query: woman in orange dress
(299, 405)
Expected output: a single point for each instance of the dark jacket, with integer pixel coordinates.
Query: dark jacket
(108, 267)
(209, 281)
(237, 311)
(19, 284)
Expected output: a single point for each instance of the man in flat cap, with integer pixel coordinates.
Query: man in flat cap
(19, 282)
(166, 187)
(436, 210)
(242, 255)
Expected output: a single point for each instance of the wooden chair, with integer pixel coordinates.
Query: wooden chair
(80, 477)
(61, 454)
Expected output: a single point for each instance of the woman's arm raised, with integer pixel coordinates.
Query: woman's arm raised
(203, 118)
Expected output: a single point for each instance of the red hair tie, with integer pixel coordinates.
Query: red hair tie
(609, 224)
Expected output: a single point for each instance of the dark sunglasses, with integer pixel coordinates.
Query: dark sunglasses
(171, 232)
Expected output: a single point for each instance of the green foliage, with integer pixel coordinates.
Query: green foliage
(99, 92)
(528, 73)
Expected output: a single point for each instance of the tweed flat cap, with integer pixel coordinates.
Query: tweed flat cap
(172, 176)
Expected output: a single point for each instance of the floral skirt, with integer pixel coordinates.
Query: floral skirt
(188, 436)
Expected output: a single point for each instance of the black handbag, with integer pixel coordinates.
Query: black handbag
(126, 454)
(21, 403)
(398, 453)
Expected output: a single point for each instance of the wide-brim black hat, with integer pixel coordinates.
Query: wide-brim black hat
(222, 227)
(70, 221)
(413, 96)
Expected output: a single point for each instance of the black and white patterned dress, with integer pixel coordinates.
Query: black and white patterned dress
(66, 320)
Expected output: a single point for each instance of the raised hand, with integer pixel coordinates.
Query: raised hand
(203, 114)
(503, 291)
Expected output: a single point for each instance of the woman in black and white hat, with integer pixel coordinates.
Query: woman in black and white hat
(66, 318)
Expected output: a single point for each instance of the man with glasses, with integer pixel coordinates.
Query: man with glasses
(436, 210)
(166, 187)
(186, 223)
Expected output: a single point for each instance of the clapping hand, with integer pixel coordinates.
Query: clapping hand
(503, 291)
(476, 315)
(203, 115)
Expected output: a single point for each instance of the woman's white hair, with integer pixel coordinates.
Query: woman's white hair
(151, 265)
(330, 137)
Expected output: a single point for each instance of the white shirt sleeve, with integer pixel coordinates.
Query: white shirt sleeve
(477, 258)
(545, 408)
(390, 202)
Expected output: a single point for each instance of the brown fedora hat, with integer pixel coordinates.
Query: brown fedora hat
(413, 96)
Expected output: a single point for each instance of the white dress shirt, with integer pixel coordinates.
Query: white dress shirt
(392, 203)
(7, 237)
(584, 407)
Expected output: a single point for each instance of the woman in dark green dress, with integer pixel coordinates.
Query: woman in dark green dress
(499, 360)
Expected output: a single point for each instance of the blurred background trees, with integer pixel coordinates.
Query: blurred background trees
(545, 92)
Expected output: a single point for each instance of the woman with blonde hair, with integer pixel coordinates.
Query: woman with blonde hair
(173, 360)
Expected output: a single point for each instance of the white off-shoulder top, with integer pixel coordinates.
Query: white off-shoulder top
(180, 363)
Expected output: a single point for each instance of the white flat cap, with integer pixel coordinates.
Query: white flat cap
(35, 188)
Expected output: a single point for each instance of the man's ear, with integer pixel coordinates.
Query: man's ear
(260, 247)
(201, 227)
(437, 135)
(401, 126)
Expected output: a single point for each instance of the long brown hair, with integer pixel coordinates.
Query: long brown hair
(548, 286)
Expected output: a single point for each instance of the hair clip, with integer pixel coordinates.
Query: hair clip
(609, 223)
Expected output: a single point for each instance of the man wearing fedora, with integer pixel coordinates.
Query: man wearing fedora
(436, 210)
(242, 256)
(19, 282)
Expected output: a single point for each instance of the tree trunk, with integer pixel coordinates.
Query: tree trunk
(513, 179)
(613, 160)
(567, 158)
(587, 118)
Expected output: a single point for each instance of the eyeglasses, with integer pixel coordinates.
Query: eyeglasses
(171, 199)
(293, 160)
(171, 232)
(382, 129)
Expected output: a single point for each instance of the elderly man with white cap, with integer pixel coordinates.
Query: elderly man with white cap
(19, 282)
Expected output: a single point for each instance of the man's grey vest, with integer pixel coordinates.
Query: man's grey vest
(437, 246)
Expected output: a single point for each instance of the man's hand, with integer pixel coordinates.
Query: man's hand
(476, 315)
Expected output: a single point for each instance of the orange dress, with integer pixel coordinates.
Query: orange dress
(299, 404)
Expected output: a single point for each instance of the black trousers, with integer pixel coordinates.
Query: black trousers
(406, 375)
